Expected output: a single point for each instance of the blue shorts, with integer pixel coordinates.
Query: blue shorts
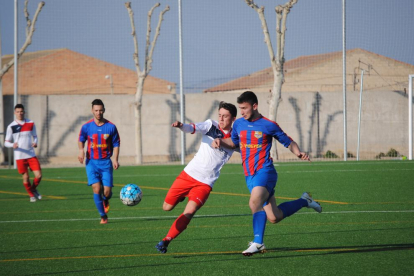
(99, 170)
(266, 177)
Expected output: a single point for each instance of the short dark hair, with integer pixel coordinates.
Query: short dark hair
(19, 106)
(247, 97)
(230, 107)
(98, 102)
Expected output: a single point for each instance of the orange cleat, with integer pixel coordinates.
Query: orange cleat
(104, 220)
(106, 206)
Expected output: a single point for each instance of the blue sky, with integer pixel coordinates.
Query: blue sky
(222, 39)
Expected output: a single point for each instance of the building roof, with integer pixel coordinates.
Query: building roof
(62, 71)
(323, 72)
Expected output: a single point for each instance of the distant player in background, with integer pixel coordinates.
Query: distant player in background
(103, 143)
(21, 136)
(197, 179)
(254, 134)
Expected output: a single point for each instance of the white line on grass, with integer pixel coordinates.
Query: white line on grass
(241, 173)
(196, 216)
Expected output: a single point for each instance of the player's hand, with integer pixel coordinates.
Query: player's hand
(216, 143)
(15, 145)
(81, 156)
(177, 124)
(115, 164)
(34, 145)
(304, 156)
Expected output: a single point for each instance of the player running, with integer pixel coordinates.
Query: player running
(23, 134)
(103, 142)
(197, 179)
(254, 133)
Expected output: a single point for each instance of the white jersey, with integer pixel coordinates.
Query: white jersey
(207, 163)
(24, 133)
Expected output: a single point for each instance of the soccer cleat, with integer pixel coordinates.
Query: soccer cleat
(311, 203)
(32, 199)
(106, 206)
(104, 220)
(162, 246)
(254, 248)
(37, 195)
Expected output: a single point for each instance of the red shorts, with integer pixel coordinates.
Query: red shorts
(186, 186)
(23, 164)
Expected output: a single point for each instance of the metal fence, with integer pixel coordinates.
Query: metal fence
(85, 48)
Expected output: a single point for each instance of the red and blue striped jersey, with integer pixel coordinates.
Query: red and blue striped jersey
(255, 141)
(101, 139)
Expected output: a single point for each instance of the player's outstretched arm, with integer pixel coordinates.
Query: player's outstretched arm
(81, 155)
(226, 143)
(115, 162)
(294, 148)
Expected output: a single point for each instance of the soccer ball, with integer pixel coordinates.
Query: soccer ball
(130, 195)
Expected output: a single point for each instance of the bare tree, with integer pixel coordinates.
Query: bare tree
(143, 73)
(30, 28)
(277, 60)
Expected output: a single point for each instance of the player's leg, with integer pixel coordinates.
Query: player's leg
(97, 198)
(107, 195)
(107, 182)
(94, 180)
(37, 171)
(196, 199)
(178, 191)
(276, 213)
(197, 196)
(261, 187)
(22, 168)
(181, 223)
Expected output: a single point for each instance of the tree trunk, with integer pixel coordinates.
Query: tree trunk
(138, 121)
(274, 102)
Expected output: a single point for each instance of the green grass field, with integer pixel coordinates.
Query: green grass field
(366, 227)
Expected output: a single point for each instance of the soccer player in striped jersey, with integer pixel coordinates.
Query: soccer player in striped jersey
(103, 143)
(254, 133)
(21, 136)
(197, 179)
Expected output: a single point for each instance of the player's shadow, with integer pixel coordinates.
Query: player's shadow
(317, 251)
(314, 125)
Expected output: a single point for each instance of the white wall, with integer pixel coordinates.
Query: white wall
(59, 118)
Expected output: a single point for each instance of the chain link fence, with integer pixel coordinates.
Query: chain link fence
(82, 50)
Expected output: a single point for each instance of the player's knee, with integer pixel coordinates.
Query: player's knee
(167, 207)
(255, 206)
(274, 220)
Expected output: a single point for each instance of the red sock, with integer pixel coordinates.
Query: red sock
(36, 183)
(28, 188)
(179, 225)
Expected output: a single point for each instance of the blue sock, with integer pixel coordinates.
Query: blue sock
(290, 207)
(259, 225)
(99, 204)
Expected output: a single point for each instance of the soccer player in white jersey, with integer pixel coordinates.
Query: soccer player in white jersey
(21, 136)
(197, 179)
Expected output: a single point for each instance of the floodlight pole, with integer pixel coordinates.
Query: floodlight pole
(180, 42)
(410, 117)
(344, 73)
(360, 108)
(15, 62)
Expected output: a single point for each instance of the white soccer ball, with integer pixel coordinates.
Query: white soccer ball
(130, 195)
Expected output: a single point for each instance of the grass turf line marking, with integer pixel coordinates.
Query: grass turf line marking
(166, 189)
(25, 194)
(322, 250)
(199, 216)
(211, 226)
